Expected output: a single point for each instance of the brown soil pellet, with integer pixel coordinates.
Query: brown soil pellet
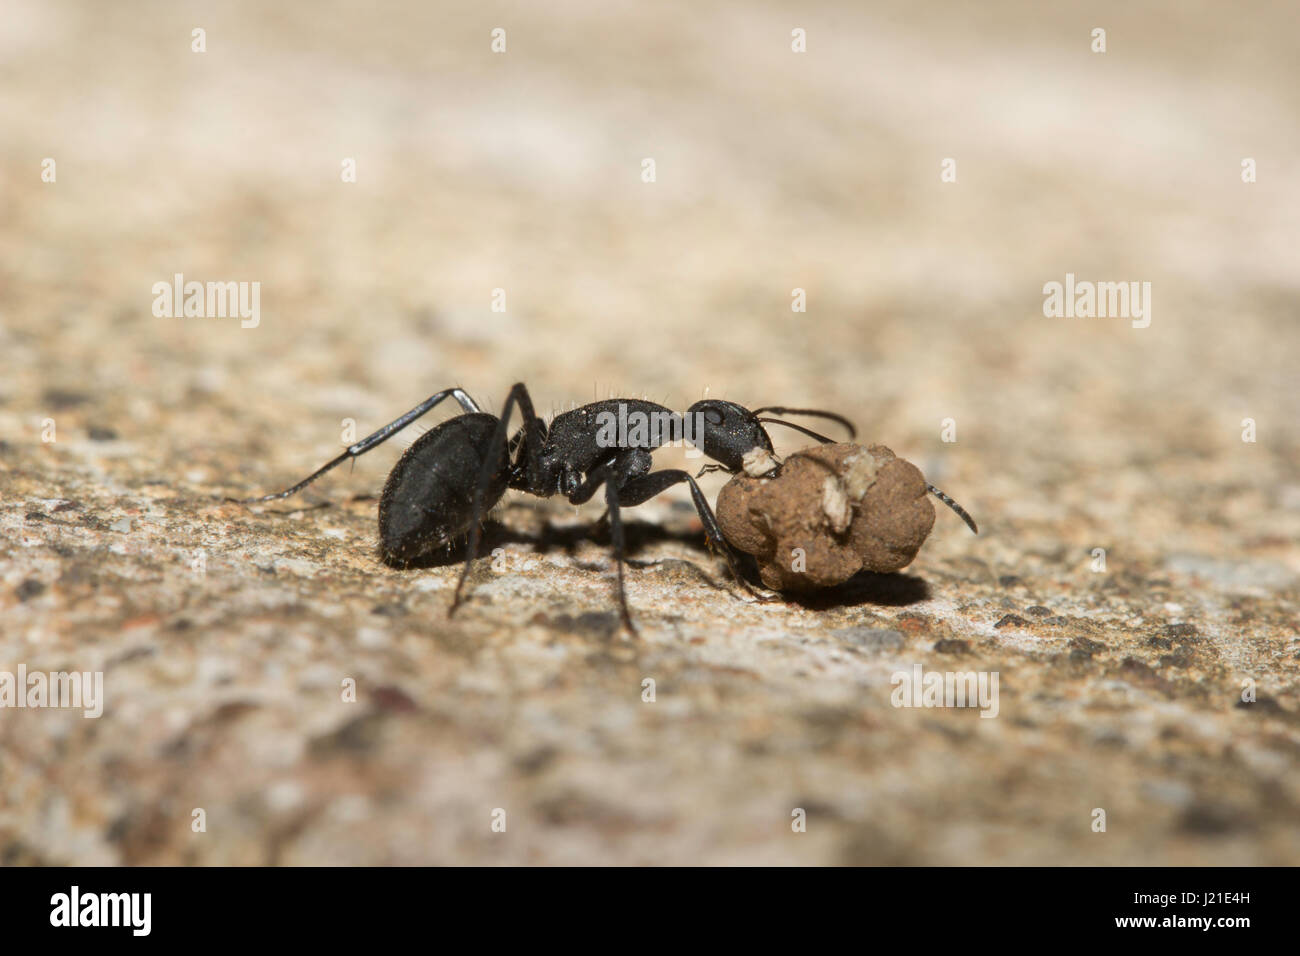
(834, 510)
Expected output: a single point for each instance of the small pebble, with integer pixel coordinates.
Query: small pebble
(29, 589)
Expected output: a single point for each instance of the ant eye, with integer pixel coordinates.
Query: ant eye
(713, 416)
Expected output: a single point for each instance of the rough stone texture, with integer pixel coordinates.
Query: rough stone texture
(225, 633)
(833, 511)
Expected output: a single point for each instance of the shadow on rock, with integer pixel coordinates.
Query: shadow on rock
(636, 535)
(865, 587)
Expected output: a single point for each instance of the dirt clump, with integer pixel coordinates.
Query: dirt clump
(832, 511)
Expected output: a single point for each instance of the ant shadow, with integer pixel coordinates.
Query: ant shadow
(865, 587)
(637, 535)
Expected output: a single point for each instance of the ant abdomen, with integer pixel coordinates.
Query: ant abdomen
(428, 500)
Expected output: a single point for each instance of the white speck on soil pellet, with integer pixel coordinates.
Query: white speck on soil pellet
(758, 462)
(835, 504)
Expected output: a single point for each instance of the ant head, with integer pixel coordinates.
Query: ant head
(730, 432)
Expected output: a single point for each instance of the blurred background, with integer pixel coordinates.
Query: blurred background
(517, 176)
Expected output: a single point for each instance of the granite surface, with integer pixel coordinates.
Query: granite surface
(1133, 590)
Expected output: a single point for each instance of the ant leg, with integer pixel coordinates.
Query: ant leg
(533, 434)
(467, 404)
(624, 470)
(616, 535)
(643, 489)
(961, 512)
(710, 469)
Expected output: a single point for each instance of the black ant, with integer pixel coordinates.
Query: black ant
(452, 475)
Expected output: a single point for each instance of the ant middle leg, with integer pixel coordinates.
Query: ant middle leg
(467, 404)
(626, 468)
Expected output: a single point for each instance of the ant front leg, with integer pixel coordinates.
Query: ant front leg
(710, 469)
(643, 489)
(531, 437)
(467, 404)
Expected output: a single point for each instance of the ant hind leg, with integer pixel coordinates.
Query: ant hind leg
(372, 440)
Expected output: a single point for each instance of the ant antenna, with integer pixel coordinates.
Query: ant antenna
(799, 428)
(815, 412)
(961, 512)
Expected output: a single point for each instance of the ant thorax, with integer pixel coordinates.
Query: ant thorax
(646, 426)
